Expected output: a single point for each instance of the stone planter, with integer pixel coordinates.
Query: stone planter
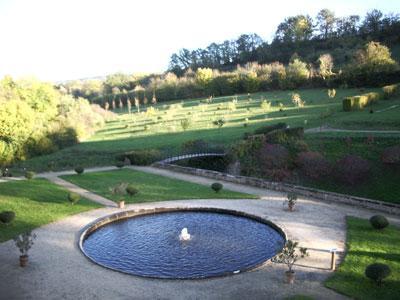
(23, 260)
(289, 276)
(121, 204)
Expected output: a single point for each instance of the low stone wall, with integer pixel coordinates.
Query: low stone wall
(385, 207)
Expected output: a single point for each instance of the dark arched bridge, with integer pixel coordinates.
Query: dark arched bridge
(186, 156)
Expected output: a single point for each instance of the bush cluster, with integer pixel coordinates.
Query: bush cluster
(141, 157)
(391, 155)
(352, 169)
(313, 165)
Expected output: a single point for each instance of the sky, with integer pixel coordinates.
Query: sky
(58, 40)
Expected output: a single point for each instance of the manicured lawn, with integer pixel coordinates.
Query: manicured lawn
(365, 246)
(151, 187)
(35, 202)
(162, 128)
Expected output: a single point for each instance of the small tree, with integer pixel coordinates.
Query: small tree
(185, 124)
(265, 105)
(129, 105)
(331, 93)
(219, 123)
(137, 104)
(291, 200)
(24, 242)
(120, 190)
(290, 254)
(297, 101)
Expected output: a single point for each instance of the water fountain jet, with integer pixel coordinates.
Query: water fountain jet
(184, 236)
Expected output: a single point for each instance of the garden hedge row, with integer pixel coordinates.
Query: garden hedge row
(390, 90)
(360, 101)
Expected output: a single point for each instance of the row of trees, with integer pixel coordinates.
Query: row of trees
(372, 65)
(302, 34)
(36, 118)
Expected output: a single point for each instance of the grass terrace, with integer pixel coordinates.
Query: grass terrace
(151, 187)
(36, 202)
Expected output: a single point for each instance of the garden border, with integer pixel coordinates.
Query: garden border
(385, 207)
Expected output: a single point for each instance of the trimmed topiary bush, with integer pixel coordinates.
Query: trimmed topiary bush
(120, 164)
(352, 169)
(79, 170)
(217, 187)
(377, 272)
(379, 222)
(73, 198)
(29, 174)
(390, 90)
(6, 217)
(131, 190)
(359, 102)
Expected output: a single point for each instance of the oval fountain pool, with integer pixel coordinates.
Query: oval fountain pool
(183, 244)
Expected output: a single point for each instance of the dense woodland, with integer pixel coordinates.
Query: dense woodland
(36, 118)
(327, 51)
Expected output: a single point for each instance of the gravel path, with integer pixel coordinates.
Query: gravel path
(58, 270)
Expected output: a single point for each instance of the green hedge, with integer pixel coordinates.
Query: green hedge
(359, 102)
(141, 157)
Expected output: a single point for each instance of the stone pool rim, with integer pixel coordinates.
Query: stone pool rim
(91, 227)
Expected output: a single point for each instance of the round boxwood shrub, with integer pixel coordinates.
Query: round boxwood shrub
(79, 170)
(216, 186)
(29, 174)
(7, 217)
(378, 222)
(119, 164)
(73, 198)
(131, 190)
(377, 272)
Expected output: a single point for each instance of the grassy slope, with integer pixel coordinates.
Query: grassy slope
(365, 246)
(35, 202)
(383, 183)
(163, 129)
(151, 187)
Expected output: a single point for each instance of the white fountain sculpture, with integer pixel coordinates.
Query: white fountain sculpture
(184, 236)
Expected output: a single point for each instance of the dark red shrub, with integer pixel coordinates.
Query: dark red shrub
(313, 164)
(391, 155)
(352, 169)
(273, 156)
(277, 174)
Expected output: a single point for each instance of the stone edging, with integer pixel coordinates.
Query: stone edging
(115, 217)
(385, 207)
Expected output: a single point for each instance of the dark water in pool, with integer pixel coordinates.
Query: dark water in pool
(149, 245)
